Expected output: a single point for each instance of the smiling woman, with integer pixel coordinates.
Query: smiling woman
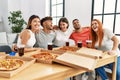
(62, 35)
(27, 37)
(108, 12)
(105, 40)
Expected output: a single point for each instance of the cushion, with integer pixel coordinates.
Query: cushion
(11, 37)
(3, 38)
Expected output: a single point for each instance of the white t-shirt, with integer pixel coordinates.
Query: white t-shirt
(62, 38)
(30, 42)
(107, 43)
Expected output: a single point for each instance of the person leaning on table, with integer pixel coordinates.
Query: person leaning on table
(83, 34)
(105, 40)
(27, 37)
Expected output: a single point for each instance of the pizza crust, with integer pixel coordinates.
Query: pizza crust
(68, 48)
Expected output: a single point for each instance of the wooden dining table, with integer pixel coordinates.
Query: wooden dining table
(55, 71)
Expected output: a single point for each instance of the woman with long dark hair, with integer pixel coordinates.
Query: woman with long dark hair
(27, 36)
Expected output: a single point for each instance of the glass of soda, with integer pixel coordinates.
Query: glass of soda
(50, 46)
(67, 43)
(79, 44)
(21, 50)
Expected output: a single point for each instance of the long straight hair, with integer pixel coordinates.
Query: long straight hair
(96, 37)
(30, 21)
(63, 19)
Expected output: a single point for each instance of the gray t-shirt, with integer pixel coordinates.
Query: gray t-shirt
(42, 39)
(107, 43)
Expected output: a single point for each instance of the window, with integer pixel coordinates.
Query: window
(56, 10)
(108, 12)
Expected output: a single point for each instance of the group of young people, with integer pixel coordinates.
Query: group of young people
(102, 39)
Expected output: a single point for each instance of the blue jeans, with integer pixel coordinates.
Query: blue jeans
(102, 73)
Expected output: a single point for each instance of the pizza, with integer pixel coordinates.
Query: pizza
(68, 48)
(10, 64)
(45, 57)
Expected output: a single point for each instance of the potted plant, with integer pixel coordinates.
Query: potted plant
(16, 21)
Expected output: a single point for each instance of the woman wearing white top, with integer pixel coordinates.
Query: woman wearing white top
(27, 37)
(62, 35)
(105, 40)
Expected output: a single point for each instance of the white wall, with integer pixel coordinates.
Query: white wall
(1, 24)
(28, 7)
(3, 14)
(80, 9)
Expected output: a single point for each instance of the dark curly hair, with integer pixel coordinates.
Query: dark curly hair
(45, 19)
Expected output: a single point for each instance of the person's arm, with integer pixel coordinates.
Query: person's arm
(25, 36)
(31, 49)
(14, 47)
(70, 36)
(115, 43)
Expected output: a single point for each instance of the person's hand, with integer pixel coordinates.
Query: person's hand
(37, 31)
(55, 27)
(111, 52)
(14, 47)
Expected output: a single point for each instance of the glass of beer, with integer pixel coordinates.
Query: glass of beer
(89, 43)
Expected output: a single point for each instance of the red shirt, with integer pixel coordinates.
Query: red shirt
(83, 36)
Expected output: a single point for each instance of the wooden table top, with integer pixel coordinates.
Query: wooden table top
(40, 71)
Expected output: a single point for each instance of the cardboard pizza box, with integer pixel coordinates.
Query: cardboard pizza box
(45, 56)
(36, 55)
(66, 48)
(92, 52)
(27, 62)
(76, 60)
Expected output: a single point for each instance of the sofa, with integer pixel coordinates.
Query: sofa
(7, 38)
(6, 41)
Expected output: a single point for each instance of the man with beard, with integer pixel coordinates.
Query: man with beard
(45, 35)
(80, 33)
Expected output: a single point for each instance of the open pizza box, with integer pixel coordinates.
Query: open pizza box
(76, 60)
(28, 54)
(27, 61)
(53, 51)
(92, 52)
(43, 56)
(66, 48)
